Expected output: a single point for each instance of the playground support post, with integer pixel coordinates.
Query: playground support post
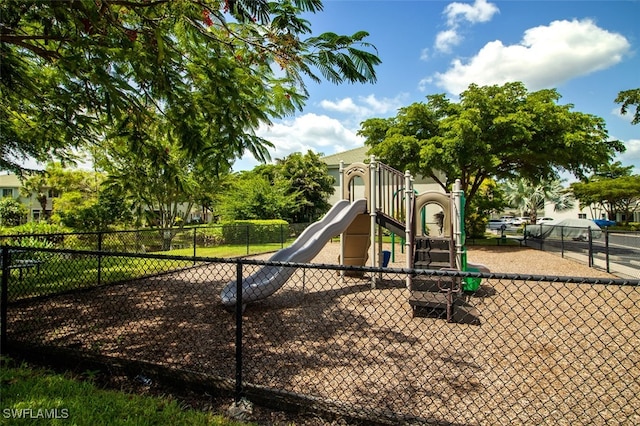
(408, 213)
(341, 178)
(372, 214)
(456, 222)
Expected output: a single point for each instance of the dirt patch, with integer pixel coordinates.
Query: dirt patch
(544, 353)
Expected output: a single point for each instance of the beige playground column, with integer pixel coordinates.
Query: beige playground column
(368, 173)
(408, 213)
(456, 220)
(373, 168)
(341, 180)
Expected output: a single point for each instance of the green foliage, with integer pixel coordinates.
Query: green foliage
(38, 228)
(488, 199)
(619, 195)
(308, 178)
(79, 401)
(499, 132)
(88, 214)
(12, 212)
(529, 197)
(255, 231)
(210, 236)
(74, 73)
(475, 225)
(160, 183)
(254, 196)
(630, 98)
(295, 189)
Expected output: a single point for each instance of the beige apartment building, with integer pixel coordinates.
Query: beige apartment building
(10, 186)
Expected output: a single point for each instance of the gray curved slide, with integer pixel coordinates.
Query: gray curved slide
(268, 279)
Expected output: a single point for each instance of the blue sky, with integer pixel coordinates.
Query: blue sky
(587, 50)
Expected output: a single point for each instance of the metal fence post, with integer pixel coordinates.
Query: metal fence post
(195, 241)
(4, 298)
(606, 248)
(590, 248)
(562, 241)
(100, 258)
(281, 236)
(247, 239)
(238, 390)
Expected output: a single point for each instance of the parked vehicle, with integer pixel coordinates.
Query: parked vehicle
(497, 224)
(507, 219)
(604, 223)
(545, 219)
(522, 220)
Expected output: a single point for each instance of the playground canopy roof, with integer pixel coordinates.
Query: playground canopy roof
(351, 156)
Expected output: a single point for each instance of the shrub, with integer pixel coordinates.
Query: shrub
(255, 231)
(38, 228)
(210, 236)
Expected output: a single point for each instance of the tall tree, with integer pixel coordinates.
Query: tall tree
(611, 171)
(500, 132)
(630, 98)
(36, 185)
(617, 195)
(72, 71)
(308, 178)
(254, 195)
(530, 197)
(159, 183)
(12, 212)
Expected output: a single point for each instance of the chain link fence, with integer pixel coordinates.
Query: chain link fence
(236, 239)
(616, 252)
(519, 350)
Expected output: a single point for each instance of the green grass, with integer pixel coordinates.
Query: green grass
(492, 241)
(36, 393)
(229, 250)
(60, 273)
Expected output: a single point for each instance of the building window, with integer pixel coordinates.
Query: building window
(7, 192)
(582, 215)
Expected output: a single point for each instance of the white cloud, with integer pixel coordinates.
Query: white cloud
(628, 117)
(318, 133)
(424, 54)
(479, 11)
(546, 57)
(321, 133)
(631, 157)
(459, 13)
(366, 106)
(445, 40)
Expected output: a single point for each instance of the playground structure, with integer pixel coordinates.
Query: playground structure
(376, 196)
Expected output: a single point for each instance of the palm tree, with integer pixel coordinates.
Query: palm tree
(36, 185)
(529, 197)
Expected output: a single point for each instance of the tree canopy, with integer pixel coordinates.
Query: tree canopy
(73, 73)
(529, 197)
(614, 188)
(619, 195)
(630, 98)
(295, 189)
(500, 132)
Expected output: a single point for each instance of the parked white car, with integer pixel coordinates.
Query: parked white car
(522, 220)
(507, 219)
(497, 224)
